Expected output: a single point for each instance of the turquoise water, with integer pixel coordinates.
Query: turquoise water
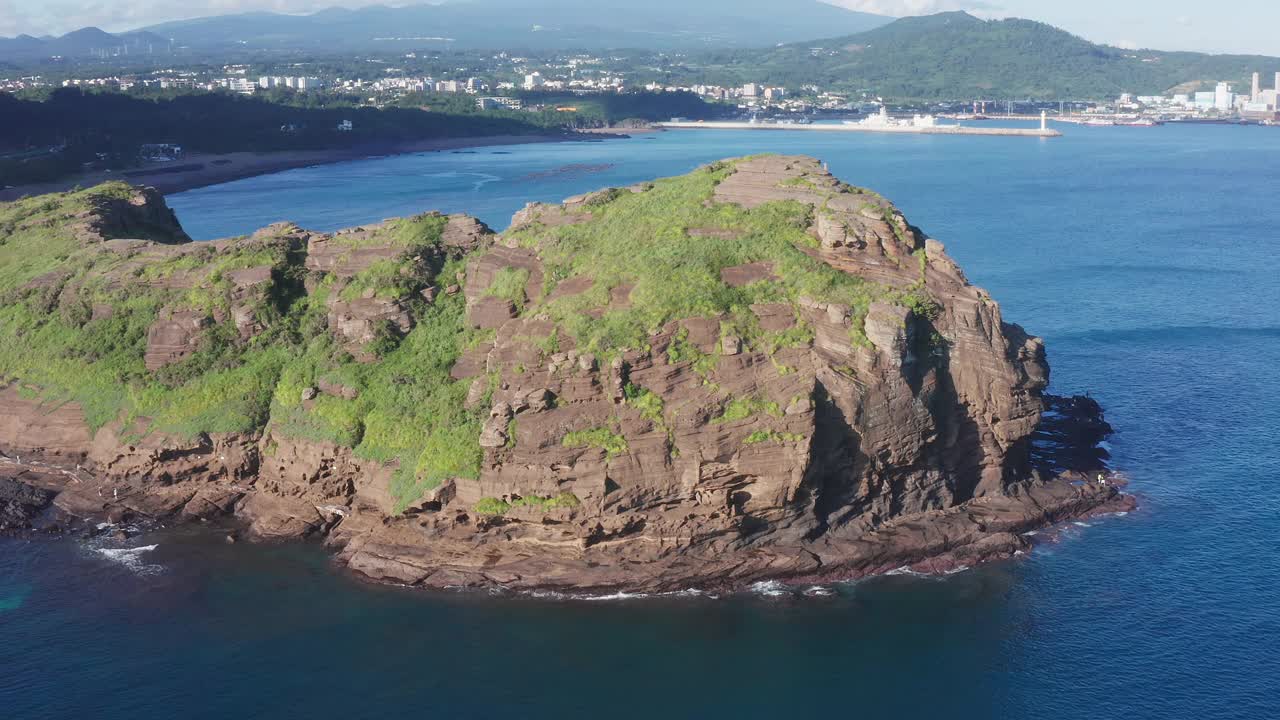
(1145, 257)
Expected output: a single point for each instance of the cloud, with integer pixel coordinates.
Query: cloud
(903, 8)
(39, 17)
(13, 19)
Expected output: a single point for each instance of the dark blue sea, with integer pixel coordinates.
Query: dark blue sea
(1147, 259)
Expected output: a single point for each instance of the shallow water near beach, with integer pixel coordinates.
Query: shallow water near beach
(1144, 257)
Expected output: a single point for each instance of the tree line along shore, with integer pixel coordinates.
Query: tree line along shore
(71, 136)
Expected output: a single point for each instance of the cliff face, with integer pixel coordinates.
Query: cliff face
(751, 372)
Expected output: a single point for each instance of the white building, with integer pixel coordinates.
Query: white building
(494, 103)
(240, 85)
(301, 84)
(1223, 99)
(533, 81)
(751, 90)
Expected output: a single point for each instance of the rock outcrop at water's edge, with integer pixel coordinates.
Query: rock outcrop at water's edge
(810, 390)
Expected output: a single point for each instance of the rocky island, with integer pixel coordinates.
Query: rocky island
(748, 373)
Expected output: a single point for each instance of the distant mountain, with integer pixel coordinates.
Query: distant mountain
(492, 24)
(79, 43)
(957, 56)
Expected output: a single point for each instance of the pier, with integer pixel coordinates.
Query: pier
(900, 129)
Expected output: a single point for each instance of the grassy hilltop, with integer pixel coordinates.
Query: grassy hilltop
(260, 323)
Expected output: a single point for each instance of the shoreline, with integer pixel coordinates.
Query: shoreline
(1016, 526)
(205, 169)
(130, 533)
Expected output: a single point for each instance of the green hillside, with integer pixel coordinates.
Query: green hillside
(957, 56)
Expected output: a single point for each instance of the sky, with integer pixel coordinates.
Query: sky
(1243, 26)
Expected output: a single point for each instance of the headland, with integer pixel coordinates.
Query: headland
(752, 372)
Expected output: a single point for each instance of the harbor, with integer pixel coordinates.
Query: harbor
(1041, 132)
(878, 123)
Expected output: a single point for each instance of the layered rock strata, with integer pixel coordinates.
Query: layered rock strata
(800, 435)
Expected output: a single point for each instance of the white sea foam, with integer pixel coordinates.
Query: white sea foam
(484, 180)
(692, 592)
(1031, 533)
(769, 588)
(1079, 523)
(956, 570)
(619, 595)
(131, 558)
(612, 597)
(819, 591)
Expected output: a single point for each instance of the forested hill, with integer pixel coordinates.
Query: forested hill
(957, 56)
(45, 139)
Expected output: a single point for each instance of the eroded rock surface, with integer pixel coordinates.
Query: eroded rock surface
(806, 437)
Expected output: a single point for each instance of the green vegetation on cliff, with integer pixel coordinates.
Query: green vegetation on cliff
(350, 340)
(607, 439)
(408, 410)
(743, 408)
(669, 245)
(51, 287)
(75, 319)
(494, 506)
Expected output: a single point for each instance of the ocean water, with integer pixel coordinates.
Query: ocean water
(1145, 257)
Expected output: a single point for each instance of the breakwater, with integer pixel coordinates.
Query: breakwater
(901, 129)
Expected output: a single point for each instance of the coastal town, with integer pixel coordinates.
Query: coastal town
(336, 103)
(504, 81)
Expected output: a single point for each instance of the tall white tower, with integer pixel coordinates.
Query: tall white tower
(1257, 87)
